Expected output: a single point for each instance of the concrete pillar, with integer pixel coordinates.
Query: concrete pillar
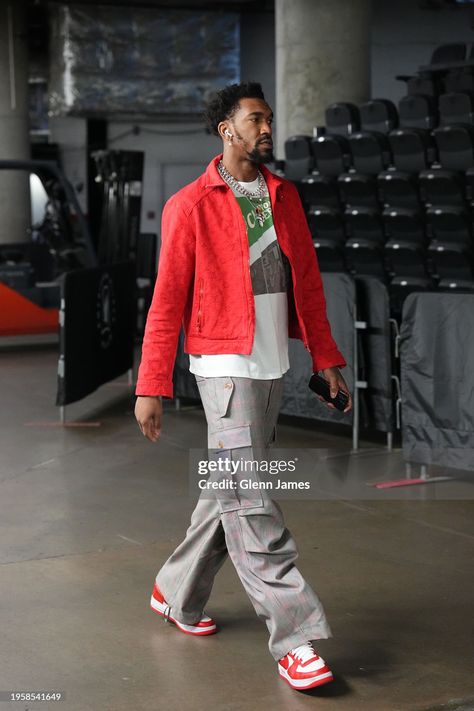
(322, 56)
(14, 138)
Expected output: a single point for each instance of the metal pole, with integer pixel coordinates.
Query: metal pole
(355, 416)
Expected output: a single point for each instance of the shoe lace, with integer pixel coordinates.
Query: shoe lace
(304, 652)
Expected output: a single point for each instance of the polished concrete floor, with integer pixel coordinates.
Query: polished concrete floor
(88, 514)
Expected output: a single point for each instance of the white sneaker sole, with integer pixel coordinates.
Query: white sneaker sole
(160, 608)
(302, 684)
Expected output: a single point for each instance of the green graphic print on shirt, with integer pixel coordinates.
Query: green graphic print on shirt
(266, 263)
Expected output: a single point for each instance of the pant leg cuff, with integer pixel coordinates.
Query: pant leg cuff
(298, 638)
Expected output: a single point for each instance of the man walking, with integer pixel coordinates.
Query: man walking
(238, 269)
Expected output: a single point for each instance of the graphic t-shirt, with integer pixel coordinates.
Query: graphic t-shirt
(269, 357)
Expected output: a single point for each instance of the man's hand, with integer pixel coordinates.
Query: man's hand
(148, 411)
(336, 382)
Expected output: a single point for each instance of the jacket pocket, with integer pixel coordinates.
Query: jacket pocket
(199, 317)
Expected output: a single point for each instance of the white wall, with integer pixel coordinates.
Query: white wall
(70, 133)
(171, 160)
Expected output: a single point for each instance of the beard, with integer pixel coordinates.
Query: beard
(261, 155)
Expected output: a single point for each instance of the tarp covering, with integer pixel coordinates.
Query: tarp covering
(149, 61)
(437, 379)
(298, 399)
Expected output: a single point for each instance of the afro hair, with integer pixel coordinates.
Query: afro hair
(224, 103)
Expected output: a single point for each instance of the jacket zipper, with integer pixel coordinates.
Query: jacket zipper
(199, 313)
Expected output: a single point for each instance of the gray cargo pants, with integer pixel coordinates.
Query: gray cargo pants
(241, 413)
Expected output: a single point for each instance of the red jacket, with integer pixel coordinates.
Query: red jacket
(204, 280)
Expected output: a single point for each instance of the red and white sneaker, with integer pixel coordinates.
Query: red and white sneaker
(302, 668)
(158, 603)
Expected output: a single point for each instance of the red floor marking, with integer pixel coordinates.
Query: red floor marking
(407, 482)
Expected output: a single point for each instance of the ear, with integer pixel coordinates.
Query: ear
(222, 128)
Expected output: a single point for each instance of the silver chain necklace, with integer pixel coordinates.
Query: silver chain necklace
(233, 183)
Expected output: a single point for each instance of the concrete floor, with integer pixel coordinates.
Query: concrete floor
(87, 515)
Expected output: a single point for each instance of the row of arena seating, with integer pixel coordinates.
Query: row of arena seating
(392, 203)
(450, 69)
(415, 111)
(379, 146)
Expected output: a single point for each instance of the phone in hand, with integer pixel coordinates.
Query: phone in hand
(320, 386)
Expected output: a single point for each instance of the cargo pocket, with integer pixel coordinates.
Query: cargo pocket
(224, 387)
(238, 488)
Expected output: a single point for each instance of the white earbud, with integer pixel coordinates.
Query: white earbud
(228, 133)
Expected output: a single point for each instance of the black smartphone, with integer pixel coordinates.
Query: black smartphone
(320, 386)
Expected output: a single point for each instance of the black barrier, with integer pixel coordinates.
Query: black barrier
(121, 174)
(376, 340)
(437, 379)
(97, 321)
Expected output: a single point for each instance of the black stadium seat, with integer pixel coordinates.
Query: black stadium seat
(331, 154)
(398, 189)
(370, 155)
(298, 157)
(404, 225)
(331, 157)
(330, 255)
(418, 112)
(326, 223)
(378, 115)
(460, 285)
(412, 149)
(453, 52)
(451, 260)
(431, 84)
(461, 79)
(370, 152)
(450, 224)
(358, 190)
(405, 259)
(442, 187)
(365, 257)
(342, 119)
(455, 146)
(456, 108)
(364, 223)
(317, 190)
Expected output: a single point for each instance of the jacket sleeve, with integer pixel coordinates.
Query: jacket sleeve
(173, 283)
(320, 343)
